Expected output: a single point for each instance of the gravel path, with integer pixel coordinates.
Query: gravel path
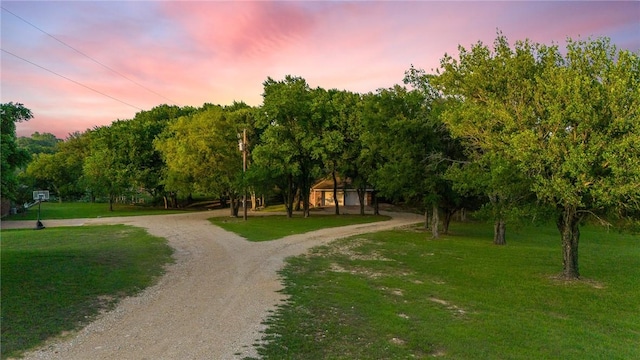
(210, 304)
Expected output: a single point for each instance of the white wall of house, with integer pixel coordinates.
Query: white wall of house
(353, 200)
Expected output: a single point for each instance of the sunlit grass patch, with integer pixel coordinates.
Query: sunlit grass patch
(80, 210)
(264, 228)
(400, 294)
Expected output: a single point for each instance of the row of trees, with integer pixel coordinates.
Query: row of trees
(519, 131)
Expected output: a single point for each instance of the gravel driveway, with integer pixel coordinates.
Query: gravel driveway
(211, 302)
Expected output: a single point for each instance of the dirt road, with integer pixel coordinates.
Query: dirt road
(209, 305)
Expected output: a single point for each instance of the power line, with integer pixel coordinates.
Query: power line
(90, 58)
(73, 81)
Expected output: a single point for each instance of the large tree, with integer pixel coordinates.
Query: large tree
(354, 161)
(201, 152)
(107, 169)
(396, 133)
(62, 171)
(568, 120)
(12, 157)
(146, 165)
(441, 153)
(477, 172)
(406, 143)
(288, 151)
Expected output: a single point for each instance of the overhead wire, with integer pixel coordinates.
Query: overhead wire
(69, 79)
(89, 57)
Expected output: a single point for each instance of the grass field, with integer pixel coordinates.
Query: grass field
(77, 210)
(264, 228)
(389, 295)
(56, 280)
(401, 295)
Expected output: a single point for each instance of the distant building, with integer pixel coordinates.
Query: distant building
(322, 194)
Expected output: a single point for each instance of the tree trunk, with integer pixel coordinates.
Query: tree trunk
(499, 232)
(235, 206)
(296, 200)
(434, 222)
(166, 203)
(305, 207)
(361, 194)
(426, 219)
(111, 202)
(305, 194)
(290, 195)
(254, 203)
(174, 200)
(448, 216)
(335, 190)
(55, 189)
(568, 224)
(376, 208)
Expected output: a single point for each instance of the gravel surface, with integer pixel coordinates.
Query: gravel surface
(211, 302)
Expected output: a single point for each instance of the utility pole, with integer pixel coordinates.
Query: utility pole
(244, 171)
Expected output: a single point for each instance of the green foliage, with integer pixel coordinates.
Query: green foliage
(397, 126)
(145, 162)
(564, 125)
(409, 149)
(105, 169)
(12, 157)
(396, 295)
(62, 171)
(58, 279)
(288, 154)
(201, 152)
(38, 143)
(567, 122)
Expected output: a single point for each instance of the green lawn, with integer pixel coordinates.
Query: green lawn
(264, 228)
(78, 210)
(56, 280)
(401, 295)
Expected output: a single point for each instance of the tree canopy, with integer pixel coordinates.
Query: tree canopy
(201, 154)
(288, 152)
(39, 143)
(12, 156)
(566, 120)
(526, 128)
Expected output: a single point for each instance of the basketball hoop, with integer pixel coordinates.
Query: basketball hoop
(40, 196)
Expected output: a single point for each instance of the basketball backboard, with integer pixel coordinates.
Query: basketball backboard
(41, 195)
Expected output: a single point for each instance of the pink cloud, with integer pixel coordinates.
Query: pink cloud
(196, 52)
(240, 31)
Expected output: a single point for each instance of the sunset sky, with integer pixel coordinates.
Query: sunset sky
(81, 64)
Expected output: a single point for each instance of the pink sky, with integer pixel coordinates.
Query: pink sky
(189, 53)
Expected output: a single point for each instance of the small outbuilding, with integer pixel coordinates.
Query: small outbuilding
(321, 194)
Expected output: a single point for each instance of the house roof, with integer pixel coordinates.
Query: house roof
(327, 184)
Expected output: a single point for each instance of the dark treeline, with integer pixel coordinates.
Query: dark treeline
(512, 131)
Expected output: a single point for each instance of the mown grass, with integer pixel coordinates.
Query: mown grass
(400, 295)
(77, 210)
(265, 228)
(57, 279)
